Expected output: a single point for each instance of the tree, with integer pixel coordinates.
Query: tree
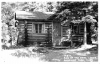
(6, 17)
(9, 30)
(78, 11)
(89, 19)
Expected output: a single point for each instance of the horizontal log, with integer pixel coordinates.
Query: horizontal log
(38, 34)
(78, 35)
(40, 37)
(29, 29)
(33, 40)
(35, 35)
(21, 24)
(29, 24)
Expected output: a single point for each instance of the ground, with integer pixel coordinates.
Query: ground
(42, 54)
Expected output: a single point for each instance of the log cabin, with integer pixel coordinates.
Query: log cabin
(36, 28)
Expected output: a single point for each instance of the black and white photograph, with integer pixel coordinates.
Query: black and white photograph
(49, 31)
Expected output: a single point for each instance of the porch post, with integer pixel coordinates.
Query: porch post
(71, 36)
(25, 33)
(85, 35)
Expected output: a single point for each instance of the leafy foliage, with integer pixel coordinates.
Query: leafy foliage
(85, 11)
(77, 10)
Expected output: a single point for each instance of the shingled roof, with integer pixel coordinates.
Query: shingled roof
(33, 15)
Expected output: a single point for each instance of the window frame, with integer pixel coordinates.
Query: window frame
(37, 28)
(43, 27)
(33, 27)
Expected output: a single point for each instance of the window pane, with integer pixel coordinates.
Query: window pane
(40, 28)
(36, 28)
(81, 29)
(75, 29)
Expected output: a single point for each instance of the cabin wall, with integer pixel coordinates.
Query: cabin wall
(21, 35)
(32, 37)
(57, 33)
(38, 37)
(56, 37)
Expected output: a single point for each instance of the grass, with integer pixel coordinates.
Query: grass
(51, 54)
(12, 47)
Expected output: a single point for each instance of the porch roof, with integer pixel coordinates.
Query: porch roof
(33, 15)
(67, 22)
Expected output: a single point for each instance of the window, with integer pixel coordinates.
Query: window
(38, 28)
(81, 29)
(75, 29)
(42, 28)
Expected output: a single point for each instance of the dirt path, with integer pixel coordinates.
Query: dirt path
(26, 55)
